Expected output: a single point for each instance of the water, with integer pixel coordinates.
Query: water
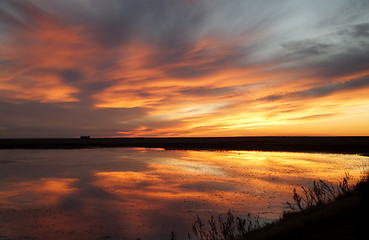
(130, 193)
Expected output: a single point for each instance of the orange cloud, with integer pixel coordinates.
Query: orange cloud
(39, 87)
(37, 54)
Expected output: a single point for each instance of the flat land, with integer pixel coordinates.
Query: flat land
(349, 145)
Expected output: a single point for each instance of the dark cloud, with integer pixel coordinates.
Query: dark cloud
(354, 60)
(16, 14)
(359, 30)
(205, 91)
(306, 47)
(7, 20)
(7, 64)
(203, 64)
(117, 22)
(339, 54)
(362, 30)
(94, 87)
(71, 75)
(46, 119)
(337, 87)
(322, 91)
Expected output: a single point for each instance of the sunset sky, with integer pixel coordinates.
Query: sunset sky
(175, 68)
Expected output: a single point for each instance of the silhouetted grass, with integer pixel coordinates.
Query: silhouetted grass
(320, 193)
(320, 211)
(325, 211)
(228, 228)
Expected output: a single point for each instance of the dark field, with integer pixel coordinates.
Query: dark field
(358, 145)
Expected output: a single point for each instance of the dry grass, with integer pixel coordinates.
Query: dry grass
(225, 227)
(320, 211)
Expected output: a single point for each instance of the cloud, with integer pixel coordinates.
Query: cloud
(306, 48)
(357, 31)
(333, 88)
(313, 117)
(36, 53)
(186, 65)
(322, 91)
(207, 91)
(46, 119)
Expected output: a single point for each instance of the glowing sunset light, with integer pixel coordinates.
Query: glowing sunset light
(183, 68)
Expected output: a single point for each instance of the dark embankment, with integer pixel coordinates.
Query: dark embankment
(346, 217)
(358, 145)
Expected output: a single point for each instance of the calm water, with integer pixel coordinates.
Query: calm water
(135, 193)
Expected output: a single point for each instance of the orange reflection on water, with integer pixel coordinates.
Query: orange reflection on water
(44, 192)
(248, 181)
(147, 193)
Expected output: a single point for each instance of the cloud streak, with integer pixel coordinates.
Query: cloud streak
(322, 91)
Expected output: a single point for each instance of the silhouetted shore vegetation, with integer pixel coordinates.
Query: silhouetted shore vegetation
(347, 145)
(320, 211)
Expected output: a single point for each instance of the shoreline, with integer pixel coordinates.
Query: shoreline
(342, 145)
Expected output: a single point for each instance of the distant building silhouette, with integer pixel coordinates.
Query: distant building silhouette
(85, 137)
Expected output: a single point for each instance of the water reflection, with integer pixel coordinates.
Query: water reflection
(147, 193)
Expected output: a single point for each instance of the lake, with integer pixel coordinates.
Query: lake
(131, 193)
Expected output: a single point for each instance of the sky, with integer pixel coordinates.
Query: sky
(184, 68)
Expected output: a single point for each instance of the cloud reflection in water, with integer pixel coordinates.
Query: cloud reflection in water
(147, 193)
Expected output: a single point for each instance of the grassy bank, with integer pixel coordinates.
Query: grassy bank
(344, 217)
(321, 211)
